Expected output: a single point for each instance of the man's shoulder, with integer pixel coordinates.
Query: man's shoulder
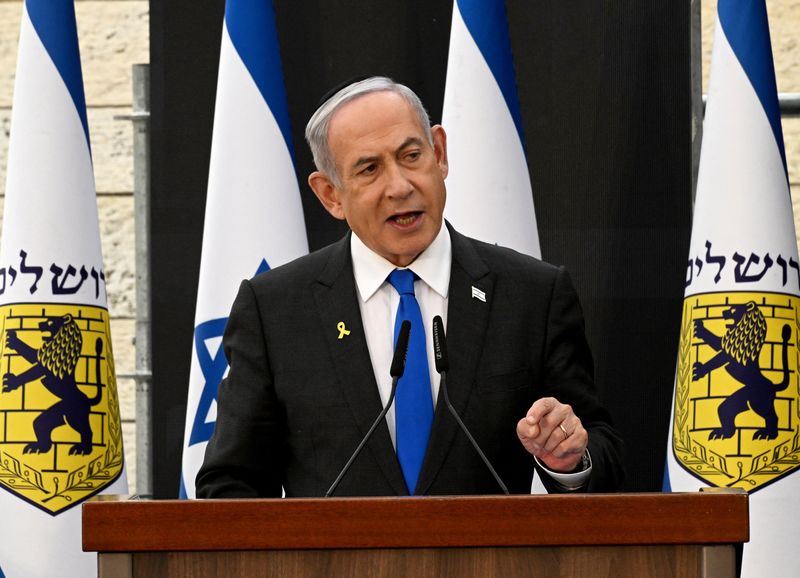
(304, 270)
(502, 260)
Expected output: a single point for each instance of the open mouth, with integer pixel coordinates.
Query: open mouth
(405, 219)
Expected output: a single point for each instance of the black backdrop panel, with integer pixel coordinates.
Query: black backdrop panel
(184, 49)
(604, 89)
(605, 93)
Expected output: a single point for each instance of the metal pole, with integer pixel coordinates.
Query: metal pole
(788, 104)
(696, 74)
(141, 202)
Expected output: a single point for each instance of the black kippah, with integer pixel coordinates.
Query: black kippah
(343, 84)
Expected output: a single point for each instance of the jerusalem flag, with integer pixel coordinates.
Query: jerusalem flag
(489, 193)
(736, 408)
(254, 219)
(60, 433)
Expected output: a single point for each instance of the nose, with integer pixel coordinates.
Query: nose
(397, 183)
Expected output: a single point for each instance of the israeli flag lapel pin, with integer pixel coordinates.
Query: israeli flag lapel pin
(478, 294)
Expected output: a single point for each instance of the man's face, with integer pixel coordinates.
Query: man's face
(392, 191)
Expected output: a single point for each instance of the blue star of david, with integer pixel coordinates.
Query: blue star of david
(213, 369)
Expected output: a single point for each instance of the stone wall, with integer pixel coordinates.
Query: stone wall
(114, 35)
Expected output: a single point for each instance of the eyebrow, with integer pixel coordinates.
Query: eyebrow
(410, 141)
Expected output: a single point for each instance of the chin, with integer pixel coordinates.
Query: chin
(409, 254)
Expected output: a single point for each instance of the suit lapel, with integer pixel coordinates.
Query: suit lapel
(336, 301)
(467, 319)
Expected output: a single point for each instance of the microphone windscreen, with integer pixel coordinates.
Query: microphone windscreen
(400, 350)
(440, 345)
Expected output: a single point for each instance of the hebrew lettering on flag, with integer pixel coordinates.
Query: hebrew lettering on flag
(736, 409)
(254, 219)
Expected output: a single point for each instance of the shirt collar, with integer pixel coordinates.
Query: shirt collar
(432, 265)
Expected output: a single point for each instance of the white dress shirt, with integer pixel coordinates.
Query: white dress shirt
(378, 301)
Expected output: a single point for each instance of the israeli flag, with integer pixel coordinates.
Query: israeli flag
(254, 219)
(734, 413)
(61, 436)
(489, 193)
(488, 188)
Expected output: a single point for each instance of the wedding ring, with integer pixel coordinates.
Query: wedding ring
(566, 435)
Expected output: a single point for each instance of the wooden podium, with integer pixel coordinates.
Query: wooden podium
(676, 535)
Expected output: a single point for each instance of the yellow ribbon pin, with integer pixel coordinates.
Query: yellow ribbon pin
(342, 330)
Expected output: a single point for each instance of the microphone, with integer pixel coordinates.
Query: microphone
(400, 351)
(396, 371)
(442, 366)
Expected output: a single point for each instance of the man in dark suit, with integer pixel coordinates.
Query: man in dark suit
(309, 343)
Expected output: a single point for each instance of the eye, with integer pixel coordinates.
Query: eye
(368, 169)
(413, 155)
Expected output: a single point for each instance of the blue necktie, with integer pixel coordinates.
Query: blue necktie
(413, 404)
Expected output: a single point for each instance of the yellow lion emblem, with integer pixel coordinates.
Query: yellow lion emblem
(54, 363)
(738, 351)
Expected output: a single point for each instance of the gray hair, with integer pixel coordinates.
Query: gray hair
(317, 127)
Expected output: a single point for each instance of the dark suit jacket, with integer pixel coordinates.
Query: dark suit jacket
(298, 399)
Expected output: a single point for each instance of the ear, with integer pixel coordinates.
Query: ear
(440, 148)
(327, 193)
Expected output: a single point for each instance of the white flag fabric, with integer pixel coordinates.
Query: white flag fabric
(60, 431)
(254, 218)
(735, 410)
(488, 188)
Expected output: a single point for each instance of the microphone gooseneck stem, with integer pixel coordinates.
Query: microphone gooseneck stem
(396, 371)
(454, 413)
(364, 439)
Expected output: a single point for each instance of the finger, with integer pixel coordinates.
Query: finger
(564, 426)
(575, 443)
(557, 439)
(571, 424)
(551, 420)
(526, 431)
(540, 408)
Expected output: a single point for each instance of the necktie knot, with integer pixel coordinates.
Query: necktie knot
(403, 281)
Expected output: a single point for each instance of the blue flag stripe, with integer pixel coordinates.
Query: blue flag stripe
(181, 493)
(54, 22)
(487, 23)
(746, 27)
(251, 26)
